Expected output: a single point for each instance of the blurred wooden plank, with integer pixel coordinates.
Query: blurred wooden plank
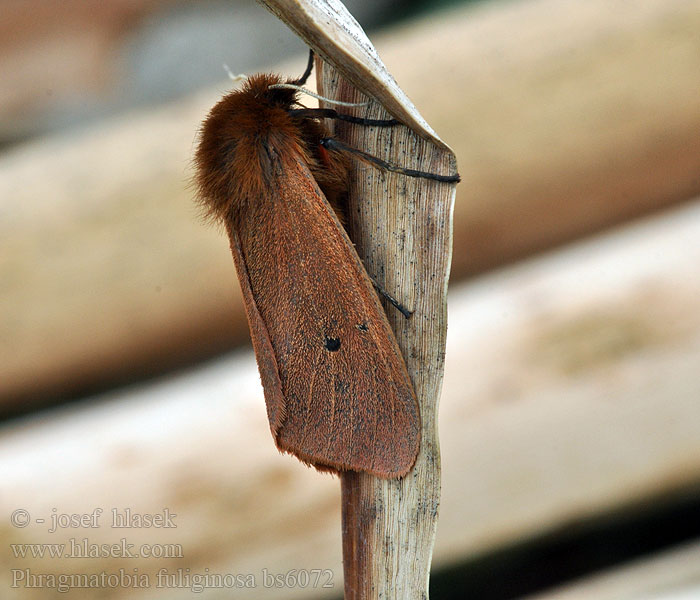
(571, 389)
(671, 575)
(198, 446)
(571, 385)
(566, 117)
(105, 269)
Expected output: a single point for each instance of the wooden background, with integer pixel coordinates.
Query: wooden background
(571, 383)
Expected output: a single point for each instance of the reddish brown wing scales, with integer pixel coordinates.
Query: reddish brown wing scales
(336, 387)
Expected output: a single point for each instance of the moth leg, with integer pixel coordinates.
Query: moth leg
(329, 113)
(332, 144)
(393, 301)
(307, 72)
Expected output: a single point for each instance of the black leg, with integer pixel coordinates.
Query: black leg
(393, 301)
(331, 144)
(309, 68)
(329, 113)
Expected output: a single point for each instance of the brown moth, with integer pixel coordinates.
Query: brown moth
(337, 390)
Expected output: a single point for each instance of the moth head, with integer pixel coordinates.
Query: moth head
(226, 160)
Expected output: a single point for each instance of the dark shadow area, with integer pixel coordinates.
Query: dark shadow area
(575, 550)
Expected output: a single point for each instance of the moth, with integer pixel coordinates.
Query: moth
(336, 387)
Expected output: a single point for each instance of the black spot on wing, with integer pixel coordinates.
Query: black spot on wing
(332, 344)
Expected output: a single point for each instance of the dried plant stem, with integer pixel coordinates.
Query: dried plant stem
(402, 230)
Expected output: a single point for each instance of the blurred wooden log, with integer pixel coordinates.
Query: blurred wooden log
(106, 271)
(570, 389)
(54, 55)
(571, 385)
(566, 117)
